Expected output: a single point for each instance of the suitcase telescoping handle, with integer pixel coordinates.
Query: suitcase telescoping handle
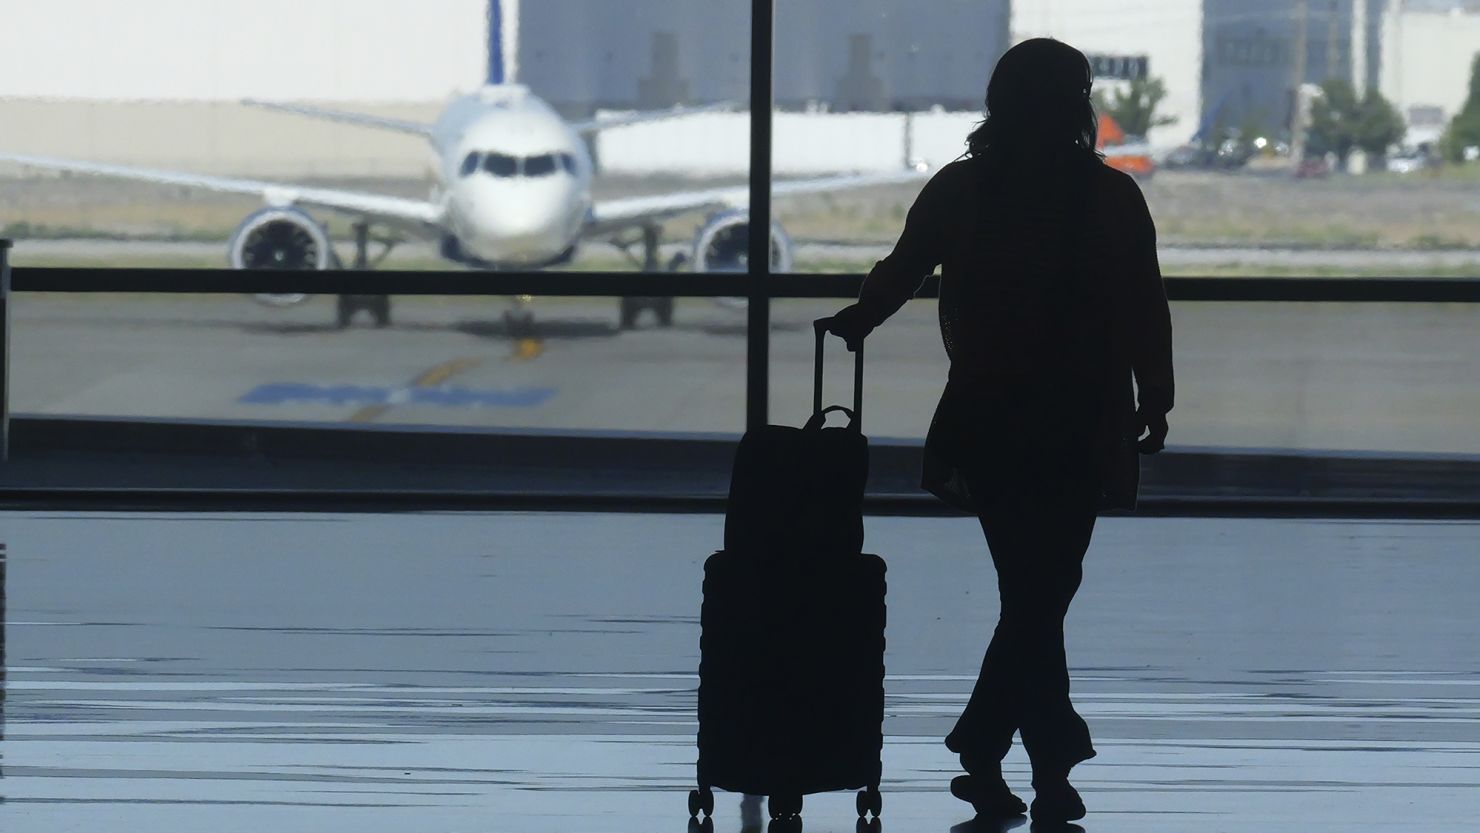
(855, 415)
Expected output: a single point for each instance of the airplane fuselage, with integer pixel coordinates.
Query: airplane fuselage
(514, 177)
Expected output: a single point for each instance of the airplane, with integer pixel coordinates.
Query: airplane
(513, 191)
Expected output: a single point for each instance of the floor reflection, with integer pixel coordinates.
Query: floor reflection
(752, 813)
(3, 667)
(436, 672)
(981, 825)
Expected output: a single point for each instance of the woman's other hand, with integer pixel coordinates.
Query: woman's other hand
(852, 324)
(1154, 425)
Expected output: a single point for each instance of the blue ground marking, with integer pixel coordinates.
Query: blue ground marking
(298, 393)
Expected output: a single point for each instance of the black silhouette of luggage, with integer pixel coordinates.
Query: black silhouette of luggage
(801, 488)
(791, 671)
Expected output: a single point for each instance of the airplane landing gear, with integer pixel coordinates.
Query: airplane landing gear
(632, 307)
(519, 319)
(379, 306)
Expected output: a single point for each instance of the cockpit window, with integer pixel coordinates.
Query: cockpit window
(470, 163)
(500, 165)
(568, 162)
(542, 165)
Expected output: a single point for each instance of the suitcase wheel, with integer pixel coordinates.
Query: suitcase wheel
(784, 806)
(701, 801)
(870, 801)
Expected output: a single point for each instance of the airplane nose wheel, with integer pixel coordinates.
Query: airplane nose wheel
(519, 324)
(519, 318)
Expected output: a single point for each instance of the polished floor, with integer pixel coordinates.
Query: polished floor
(536, 672)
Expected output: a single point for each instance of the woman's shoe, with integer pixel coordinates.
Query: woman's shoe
(990, 798)
(1056, 801)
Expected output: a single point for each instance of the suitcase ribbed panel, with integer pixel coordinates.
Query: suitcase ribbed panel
(791, 674)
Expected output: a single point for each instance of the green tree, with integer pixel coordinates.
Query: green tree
(1379, 124)
(1464, 128)
(1341, 121)
(1134, 106)
(1333, 118)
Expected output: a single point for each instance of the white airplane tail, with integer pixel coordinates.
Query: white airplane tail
(503, 41)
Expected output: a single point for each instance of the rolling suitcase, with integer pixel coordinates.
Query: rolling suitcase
(791, 671)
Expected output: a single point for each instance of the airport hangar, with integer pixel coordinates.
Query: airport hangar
(1232, 63)
(161, 85)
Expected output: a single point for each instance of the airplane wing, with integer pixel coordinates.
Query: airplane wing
(597, 125)
(615, 215)
(361, 119)
(413, 215)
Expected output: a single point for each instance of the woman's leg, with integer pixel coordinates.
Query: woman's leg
(1054, 734)
(984, 732)
(1038, 548)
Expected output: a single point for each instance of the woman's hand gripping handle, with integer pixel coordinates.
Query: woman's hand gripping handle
(852, 324)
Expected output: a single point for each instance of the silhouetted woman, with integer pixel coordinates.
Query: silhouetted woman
(1051, 301)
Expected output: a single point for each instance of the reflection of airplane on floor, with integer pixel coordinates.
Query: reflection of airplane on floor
(513, 192)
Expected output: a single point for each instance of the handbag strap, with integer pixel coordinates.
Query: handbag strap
(820, 417)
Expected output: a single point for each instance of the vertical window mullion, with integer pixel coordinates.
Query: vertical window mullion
(758, 325)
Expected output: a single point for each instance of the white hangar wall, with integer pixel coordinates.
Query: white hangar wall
(157, 82)
(1427, 54)
(224, 50)
(1168, 32)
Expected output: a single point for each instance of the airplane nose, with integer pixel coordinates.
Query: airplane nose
(524, 223)
(521, 219)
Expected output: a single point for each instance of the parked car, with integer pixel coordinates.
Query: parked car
(1186, 156)
(1313, 167)
(1406, 162)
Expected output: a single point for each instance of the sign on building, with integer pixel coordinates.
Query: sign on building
(1119, 67)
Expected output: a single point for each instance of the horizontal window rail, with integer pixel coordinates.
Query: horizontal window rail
(684, 285)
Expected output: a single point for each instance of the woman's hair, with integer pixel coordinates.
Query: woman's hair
(1038, 103)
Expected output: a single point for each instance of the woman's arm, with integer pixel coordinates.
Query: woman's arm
(897, 277)
(1151, 336)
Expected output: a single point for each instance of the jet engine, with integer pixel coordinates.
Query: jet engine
(280, 238)
(723, 244)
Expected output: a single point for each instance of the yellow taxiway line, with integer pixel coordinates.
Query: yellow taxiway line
(525, 349)
(429, 378)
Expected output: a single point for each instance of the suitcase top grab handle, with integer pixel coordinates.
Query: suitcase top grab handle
(820, 326)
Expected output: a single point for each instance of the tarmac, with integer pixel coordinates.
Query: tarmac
(1306, 376)
(537, 672)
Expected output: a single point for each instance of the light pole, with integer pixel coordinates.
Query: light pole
(1297, 109)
